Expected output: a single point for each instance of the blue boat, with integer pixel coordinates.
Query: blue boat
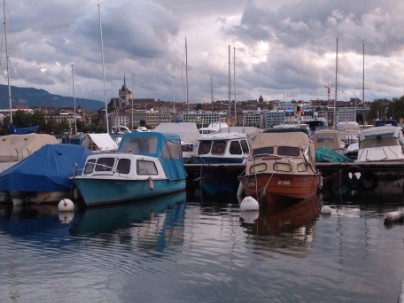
(146, 165)
(45, 175)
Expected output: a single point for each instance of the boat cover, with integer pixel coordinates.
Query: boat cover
(17, 147)
(166, 147)
(327, 155)
(187, 131)
(46, 170)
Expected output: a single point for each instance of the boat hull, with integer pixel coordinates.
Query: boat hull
(275, 187)
(110, 191)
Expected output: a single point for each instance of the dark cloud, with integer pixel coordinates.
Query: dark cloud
(282, 46)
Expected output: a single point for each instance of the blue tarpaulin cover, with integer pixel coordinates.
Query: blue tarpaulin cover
(46, 170)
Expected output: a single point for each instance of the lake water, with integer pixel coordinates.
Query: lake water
(188, 248)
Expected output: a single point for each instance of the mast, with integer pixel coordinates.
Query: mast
(175, 113)
(229, 107)
(363, 80)
(133, 93)
(7, 62)
(336, 87)
(103, 70)
(186, 75)
(74, 101)
(211, 94)
(234, 85)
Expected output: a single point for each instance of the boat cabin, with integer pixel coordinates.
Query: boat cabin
(222, 148)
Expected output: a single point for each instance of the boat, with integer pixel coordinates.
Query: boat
(329, 138)
(188, 132)
(382, 143)
(99, 142)
(220, 157)
(379, 165)
(146, 165)
(214, 128)
(281, 166)
(45, 175)
(348, 131)
(14, 148)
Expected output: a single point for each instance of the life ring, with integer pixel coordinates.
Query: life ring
(354, 174)
(369, 181)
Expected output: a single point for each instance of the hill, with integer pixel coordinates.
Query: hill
(32, 97)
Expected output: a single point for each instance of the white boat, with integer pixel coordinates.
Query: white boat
(348, 131)
(379, 165)
(146, 165)
(188, 133)
(99, 142)
(214, 128)
(220, 157)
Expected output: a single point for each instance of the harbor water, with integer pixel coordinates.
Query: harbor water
(189, 247)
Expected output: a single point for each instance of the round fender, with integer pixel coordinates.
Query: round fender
(354, 174)
(369, 181)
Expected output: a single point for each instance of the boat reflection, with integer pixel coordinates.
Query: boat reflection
(285, 227)
(39, 225)
(162, 212)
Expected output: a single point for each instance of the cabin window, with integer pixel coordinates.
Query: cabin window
(147, 168)
(288, 151)
(187, 147)
(172, 150)
(139, 145)
(244, 147)
(302, 167)
(219, 147)
(104, 164)
(235, 148)
(88, 169)
(263, 151)
(378, 141)
(325, 139)
(204, 147)
(123, 166)
(285, 167)
(258, 168)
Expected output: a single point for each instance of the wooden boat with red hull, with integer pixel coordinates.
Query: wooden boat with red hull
(281, 167)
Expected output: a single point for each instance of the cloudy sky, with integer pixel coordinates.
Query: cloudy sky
(284, 49)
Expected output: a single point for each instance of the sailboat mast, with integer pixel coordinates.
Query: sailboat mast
(229, 107)
(7, 62)
(336, 86)
(234, 85)
(74, 102)
(103, 69)
(186, 75)
(363, 80)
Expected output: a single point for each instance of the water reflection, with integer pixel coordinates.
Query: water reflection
(285, 227)
(167, 209)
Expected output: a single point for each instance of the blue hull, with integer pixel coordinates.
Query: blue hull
(108, 191)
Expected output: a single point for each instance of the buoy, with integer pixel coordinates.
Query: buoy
(66, 205)
(393, 216)
(326, 210)
(151, 183)
(249, 204)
